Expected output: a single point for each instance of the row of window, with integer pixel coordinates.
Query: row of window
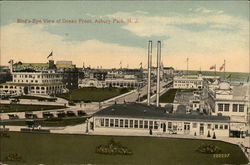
(148, 124)
(38, 76)
(226, 107)
(125, 123)
(194, 82)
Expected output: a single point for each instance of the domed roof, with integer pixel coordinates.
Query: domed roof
(224, 86)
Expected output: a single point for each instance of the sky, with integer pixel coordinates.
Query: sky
(107, 33)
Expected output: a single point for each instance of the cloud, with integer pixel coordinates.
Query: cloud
(33, 44)
(206, 11)
(216, 37)
(223, 37)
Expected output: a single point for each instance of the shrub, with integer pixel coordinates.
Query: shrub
(208, 134)
(208, 149)
(214, 137)
(113, 148)
(4, 134)
(150, 132)
(14, 157)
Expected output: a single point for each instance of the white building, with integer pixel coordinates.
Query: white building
(139, 118)
(232, 101)
(36, 82)
(188, 82)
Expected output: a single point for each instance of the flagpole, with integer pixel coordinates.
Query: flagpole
(187, 66)
(215, 70)
(224, 69)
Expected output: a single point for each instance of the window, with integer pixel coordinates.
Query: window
(111, 122)
(131, 123)
(241, 108)
(126, 123)
(235, 107)
(220, 107)
(169, 125)
(226, 107)
(116, 123)
(145, 124)
(141, 124)
(102, 122)
(194, 125)
(221, 126)
(150, 124)
(136, 124)
(155, 125)
(121, 122)
(106, 122)
(208, 126)
(225, 126)
(216, 126)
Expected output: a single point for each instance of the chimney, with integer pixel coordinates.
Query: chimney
(149, 69)
(158, 72)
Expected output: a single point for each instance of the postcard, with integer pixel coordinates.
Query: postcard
(124, 82)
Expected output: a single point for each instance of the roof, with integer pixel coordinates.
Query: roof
(135, 110)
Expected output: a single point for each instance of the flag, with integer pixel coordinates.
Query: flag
(212, 67)
(10, 61)
(51, 54)
(222, 66)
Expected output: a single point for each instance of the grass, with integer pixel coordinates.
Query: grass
(235, 76)
(38, 148)
(26, 107)
(56, 122)
(93, 94)
(169, 96)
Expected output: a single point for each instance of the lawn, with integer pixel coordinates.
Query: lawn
(23, 107)
(93, 94)
(80, 149)
(56, 122)
(168, 97)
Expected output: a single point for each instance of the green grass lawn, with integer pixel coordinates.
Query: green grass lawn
(93, 94)
(24, 107)
(56, 122)
(80, 149)
(168, 97)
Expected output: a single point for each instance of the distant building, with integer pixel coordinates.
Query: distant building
(168, 72)
(5, 74)
(70, 74)
(188, 82)
(119, 78)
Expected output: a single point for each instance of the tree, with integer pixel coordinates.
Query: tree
(150, 132)
(214, 137)
(208, 134)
